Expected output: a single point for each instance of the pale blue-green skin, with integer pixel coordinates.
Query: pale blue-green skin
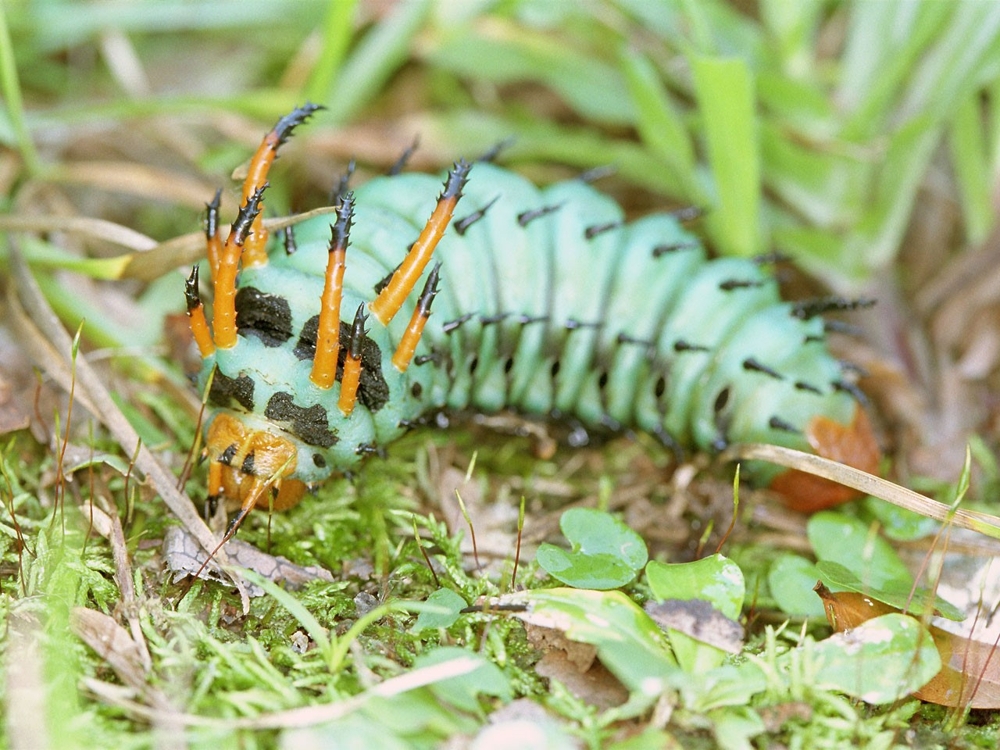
(546, 268)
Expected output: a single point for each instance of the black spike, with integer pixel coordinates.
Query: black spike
(596, 173)
(807, 309)
(598, 229)
(248, 212)
(430, 290)
(366, 449)
(623, 338)
(404, 157)
(769, 258)
(450, 325)
(288, 234)
(572, 324)
(340, 231)
(850, 388)
(753, 365)
(488, 320)
(777, 423)
(358, 332)
(191, 293)
(464, 223)
(839, 326)
(675, 247)
(526, 217)
(803, 386)
(455, 183)
(683, 346)
(283, 129)
(848, 366)
(494, 151)
(337, 193)
(731, 284)
(384, 281)
(212, 215)
(526, 319)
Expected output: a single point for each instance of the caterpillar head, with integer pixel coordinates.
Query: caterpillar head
(250, 467)
(853, 444)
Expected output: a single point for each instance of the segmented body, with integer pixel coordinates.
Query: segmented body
(548, 303)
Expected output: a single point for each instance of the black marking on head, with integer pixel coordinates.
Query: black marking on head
(777, 423)
(404, 157)
(309, 424)
(494, 151)
(416, 390)
(810, 308)
(450, 325)
(191, 290)
(266, 317)
(248, 212)
(248, 461)
(288, 235)
(461, 225)
(340, 186)
(526, 217)
(319, 461)
(212, 215)
(226, 390)
(684, 346)
(227, 456)
(752, 365)
(599, 229)
(732, 284)
(373, 391)
(675, 247)
(803, 386)
(283, 129)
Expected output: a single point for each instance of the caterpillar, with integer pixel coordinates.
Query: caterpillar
(545, 301)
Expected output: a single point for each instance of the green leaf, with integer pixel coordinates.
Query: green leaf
(898, 593)
(714, 579)
(725, 92)
(791, 580)
(463, 691)
(857, 546)
(880, 661)
(628, 642)
(446, 608)
(605, 552)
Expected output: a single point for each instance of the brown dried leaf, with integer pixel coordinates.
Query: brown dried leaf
(970, 675)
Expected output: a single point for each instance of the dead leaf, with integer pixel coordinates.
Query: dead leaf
(698, 619)
(575, 665)
(970, 675)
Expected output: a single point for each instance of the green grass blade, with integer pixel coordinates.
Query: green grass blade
(724, 90)
(968, 153)
(11, 88)
(337, 29)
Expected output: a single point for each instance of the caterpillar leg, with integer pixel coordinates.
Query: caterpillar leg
(404, 280)
(853, 444)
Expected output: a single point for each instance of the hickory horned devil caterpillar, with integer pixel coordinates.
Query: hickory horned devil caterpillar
(546, 301)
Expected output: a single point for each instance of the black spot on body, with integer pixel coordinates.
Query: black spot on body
(247, 467)
(266, 317)
(416, 390)
(309, 424)
(227, 456)
(373, 391)
(226, 390)
(319, 461)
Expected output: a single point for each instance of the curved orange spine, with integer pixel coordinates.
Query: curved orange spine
(391, 298)
(411, 337)
(351, 378)
(224, 314)
(255, 252)
(196, 315)
(324, 369)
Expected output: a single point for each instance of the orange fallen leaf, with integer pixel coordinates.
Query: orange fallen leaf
(970, 672)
